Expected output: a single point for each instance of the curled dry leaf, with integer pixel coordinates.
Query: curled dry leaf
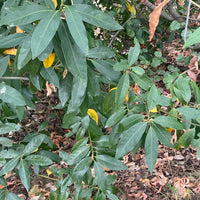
(64, 73)
(50, 88)
(154, 18)
(136, 89)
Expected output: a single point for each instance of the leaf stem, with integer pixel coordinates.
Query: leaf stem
(14, 78)
(47, 177)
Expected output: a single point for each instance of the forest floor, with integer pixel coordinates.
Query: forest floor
(176, 174)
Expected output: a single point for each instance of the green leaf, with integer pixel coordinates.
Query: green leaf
(100, 177)
(24, 55)
(196, 92)
(39, 160)
(50, 75)
(186, 139)
(33, 144)
(133, 54)
(110, 162)
(108, 102)
(9, 166)
(143, 81)
(5, 142)
(114, 118)
(193, 38)
(10, 153)
(44, 32)
(77, 28)
(175, 25)
(12, 40)
(153, 97)
(24, 14)
(106, 69)
(192, 113)
(163, 135)
(24, 174)
(169, 122)
(129, 121)
(11, 95)
(69, 119)
(4, 65)
(81, 168)
(111, 196)
(130, 138)
(121, 66)
(43, 126)
(95, 17)
(122, 89)
(151, 149)
(138, 70)
(10, 195)
(101, 52)
(6, 128)
(50, 4)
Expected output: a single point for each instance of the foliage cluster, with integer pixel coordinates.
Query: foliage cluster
(52, 44)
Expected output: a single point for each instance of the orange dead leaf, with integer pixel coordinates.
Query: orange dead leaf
(49, 61)
(19, 30)
(136, 89)
(143, 1)
(12, 51)
(50, 88)
(154, 18)
(181, 2)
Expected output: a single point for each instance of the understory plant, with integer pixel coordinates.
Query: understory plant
(112, 103)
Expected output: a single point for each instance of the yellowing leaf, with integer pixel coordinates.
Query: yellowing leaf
(9, 63)
(55, 3)
(131, 8)
(154, 18)
(127, 97)
(112, 89)
(12, 51)
(169, 129)
(19, 30)
(93, 115)
(154, 110)
(35, 150)
(48, 171)
(48, 62)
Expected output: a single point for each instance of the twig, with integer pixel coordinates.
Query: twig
(14, 78)
(124, 24)
(184, 73)
(187, 21)
(195, 3)
(47, 177)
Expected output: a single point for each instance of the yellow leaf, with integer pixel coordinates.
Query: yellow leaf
(48, 62)
(48, 171)
(35, 150)
(131, 8)
(127, 97)
(12, 51)
(9, 63)
(154, 110)
(93, 115)
(55, 3)
(169, 129)
(19, 30)
(112, 89)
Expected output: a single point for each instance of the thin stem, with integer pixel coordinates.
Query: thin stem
(112, 40)
(47, 177)
(195, 3)
(14, 78)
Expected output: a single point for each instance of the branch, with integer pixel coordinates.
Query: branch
(187, 20)
(15, 78)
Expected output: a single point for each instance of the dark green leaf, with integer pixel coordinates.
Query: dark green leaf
(121, 66)
(5, 142)
(193, 38)
(169, 122)
(129, 121)
(81, 168)
(133, 54)
(143, 81)
(6, 128)
(24, 14)
(122, 89)
(24, 174)
(33, 144)
(101, 52)
(4, 65)
(12, 40)
(39, 160)
(50, 4)
(110, 162)
(9, 166)
(151, 149)
(163, 135)
(186, 139)
(69, 119)
(196, 92)
(44, 32)
(189, 112)
(108, 103)
(100, 177)
(77, 28)
(95, 17)
(10, 195)
(153, 98)
(10, 153)
(130, 138)
(114, 118)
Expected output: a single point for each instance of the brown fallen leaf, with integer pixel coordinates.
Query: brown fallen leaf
(154, 18)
